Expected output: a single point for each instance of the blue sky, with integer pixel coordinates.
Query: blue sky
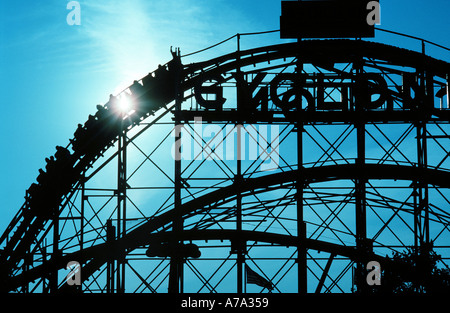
(52, 75)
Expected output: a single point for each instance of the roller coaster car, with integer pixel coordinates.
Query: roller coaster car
(79, 136)
(91, 123)
(148, 81)
(106, 119)
(62, 154)
(44, 199)
(79, 132)
(32, 190)
(102, 113)
(99, 125)
(142, 106)
(163, 85)
(112, 104)
(137, 89)
(101, 129)
(57, 178)
(42, 177)
(50, 164)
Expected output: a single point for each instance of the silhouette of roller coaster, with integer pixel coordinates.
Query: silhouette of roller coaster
(360, 133)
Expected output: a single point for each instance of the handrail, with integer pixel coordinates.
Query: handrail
(277, 30)
(413, 37)
(228, 39)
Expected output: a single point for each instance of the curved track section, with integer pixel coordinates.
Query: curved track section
(154, 96)
(158, 228)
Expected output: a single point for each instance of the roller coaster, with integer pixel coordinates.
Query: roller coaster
(363, 172)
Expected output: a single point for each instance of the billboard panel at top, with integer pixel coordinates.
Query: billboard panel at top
(325, 19)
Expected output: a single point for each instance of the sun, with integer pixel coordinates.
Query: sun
(125, 103)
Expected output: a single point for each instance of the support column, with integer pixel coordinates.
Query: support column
(424, 106)
(121, 208)
(53, 281)
(360, 211)
(421, 212)
(110, 268)
(240, 245)
(360, 182)
(360, 187)
(301, 225)
(83, 197)
(176, 262)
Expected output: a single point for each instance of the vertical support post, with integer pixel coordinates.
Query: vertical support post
(44, 258)
(240, 244)
(28, 260)
(301, 226)
(238, 181)
(421, 218)
(53, 281)
(421, 214)
(360, 182)
(361, 230)
(176, 262)
(83, 197)
(360, 207)
(121, 206)
(110, 237)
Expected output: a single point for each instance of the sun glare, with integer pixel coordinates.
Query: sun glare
(125, 104)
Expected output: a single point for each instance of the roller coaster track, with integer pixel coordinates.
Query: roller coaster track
(154, 96)
(157, 227)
